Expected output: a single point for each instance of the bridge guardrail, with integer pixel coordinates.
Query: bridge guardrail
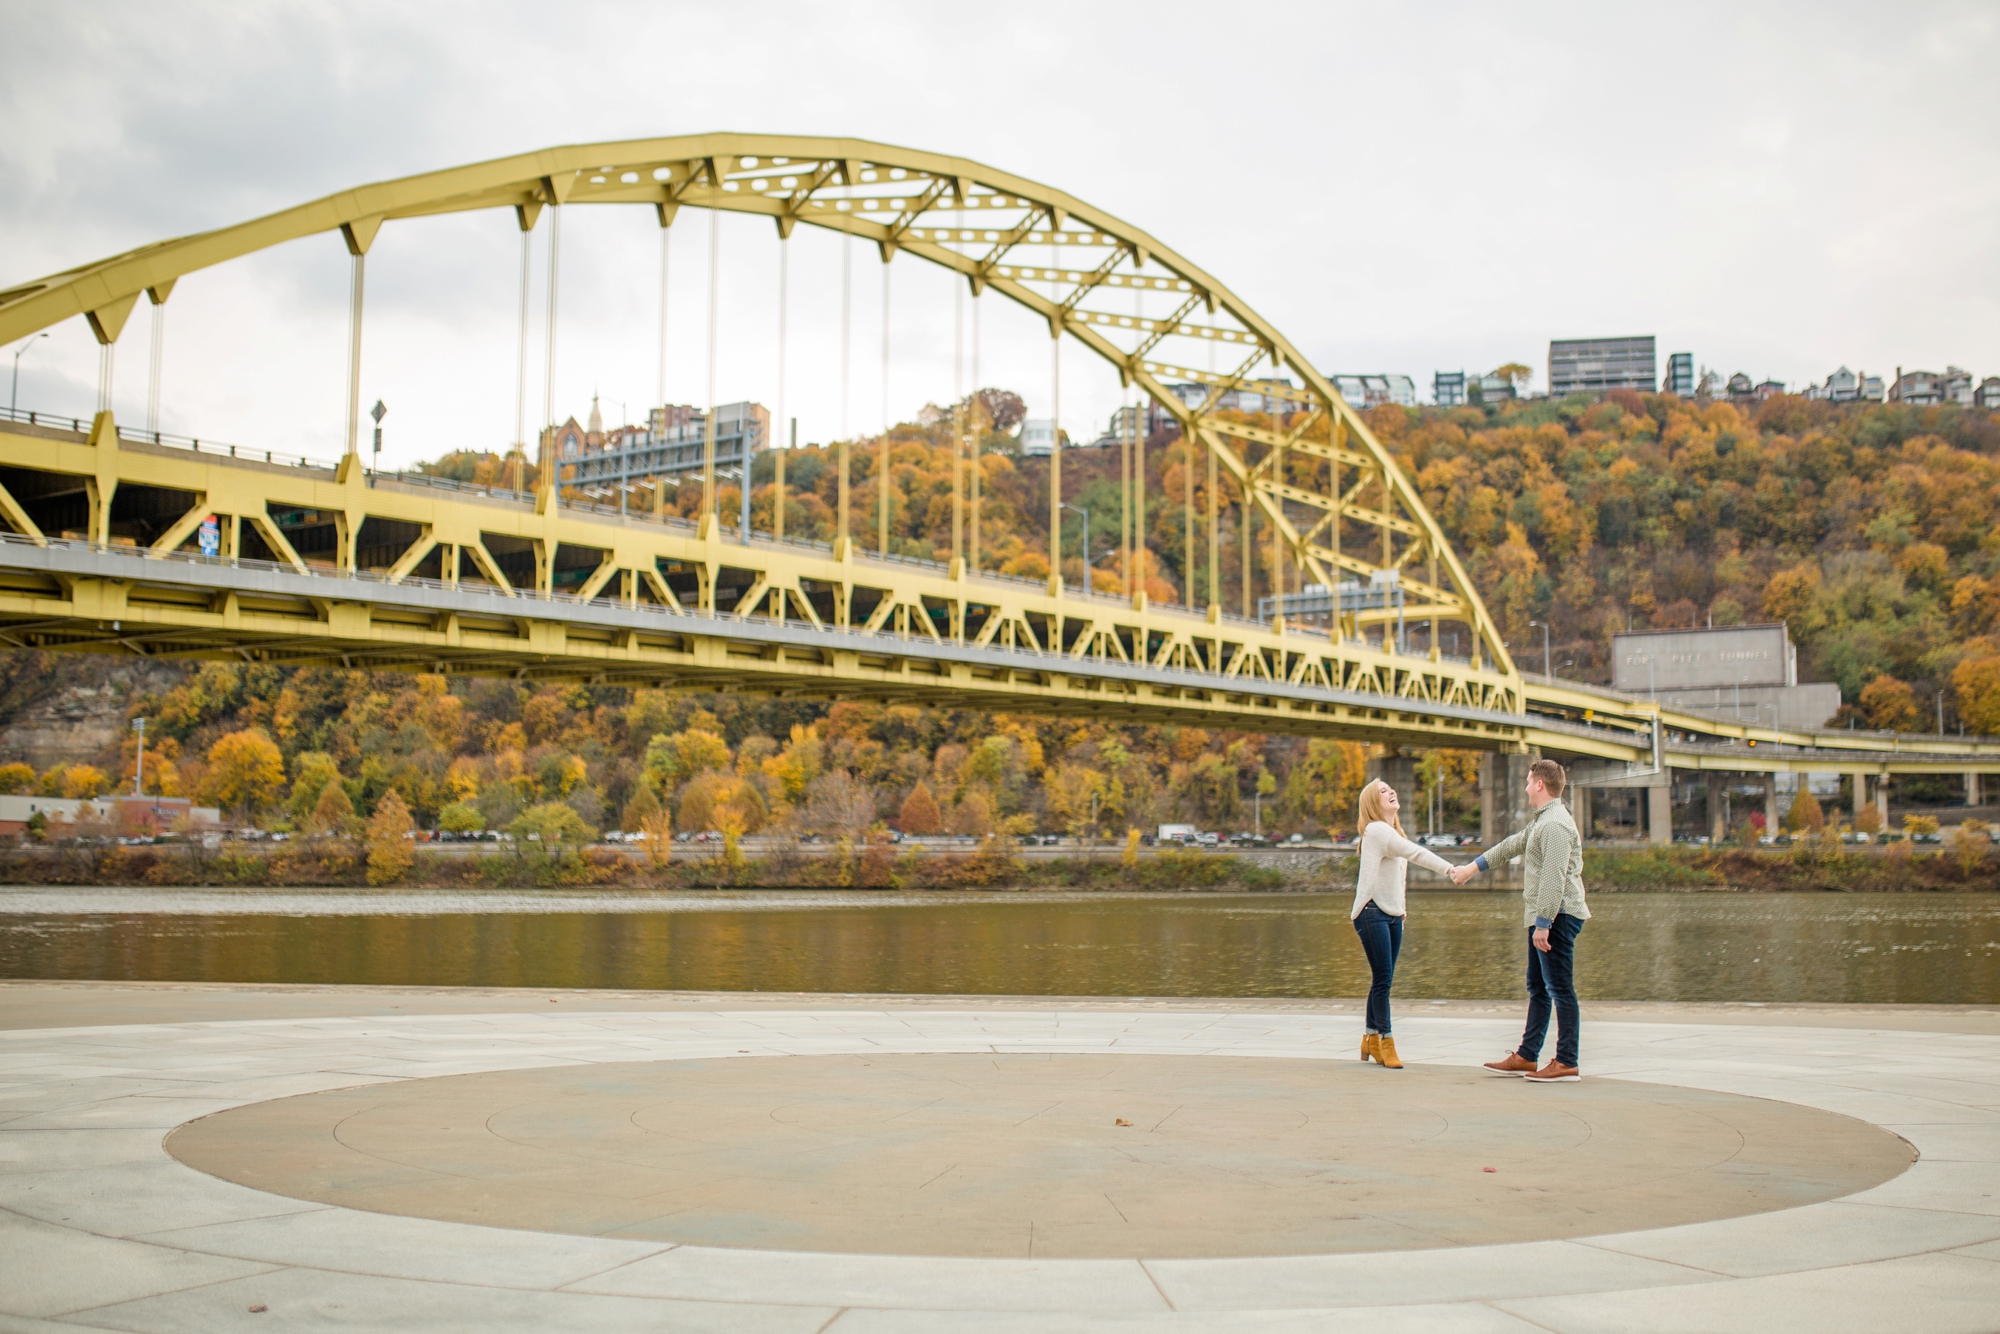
(1043, 659)
(169, 440)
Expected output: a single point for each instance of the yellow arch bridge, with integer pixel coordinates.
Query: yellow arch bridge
(335, 564)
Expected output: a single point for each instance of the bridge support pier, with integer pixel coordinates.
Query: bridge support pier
(1972, 794)
(1660, 811)
(1503, 806)
(1771, 816)
(1718, 809)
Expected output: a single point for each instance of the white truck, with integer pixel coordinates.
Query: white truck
(1177, 833)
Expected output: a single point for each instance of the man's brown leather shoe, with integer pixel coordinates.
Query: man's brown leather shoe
(1554, 1073)
(1512, 1064)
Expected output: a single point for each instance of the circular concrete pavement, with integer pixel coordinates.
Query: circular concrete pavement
(1043, 1155)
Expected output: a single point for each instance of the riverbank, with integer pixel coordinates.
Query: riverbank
(331, 864)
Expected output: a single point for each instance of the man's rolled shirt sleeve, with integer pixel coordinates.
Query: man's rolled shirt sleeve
(1502, 852)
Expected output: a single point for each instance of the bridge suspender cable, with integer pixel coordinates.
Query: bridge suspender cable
(1187, 522)
(355, 276)
(846, 359)
(1214, 603)
(660, 383)
(550, 466)
(521, 366)
(667, 269)
(1055, 485)
(972, 550)
(883, 449)
(709, 510)
(959, 418)
(154, 360)
(780, 445)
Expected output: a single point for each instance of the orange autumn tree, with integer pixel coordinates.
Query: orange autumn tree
(920, 812)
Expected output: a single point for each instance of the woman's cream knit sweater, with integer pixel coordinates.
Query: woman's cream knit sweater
(1385, 858)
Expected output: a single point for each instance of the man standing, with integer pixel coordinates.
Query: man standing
(1552, 887)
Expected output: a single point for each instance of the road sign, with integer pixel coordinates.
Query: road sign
(210, 536)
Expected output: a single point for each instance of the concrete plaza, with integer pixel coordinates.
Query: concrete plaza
(220, 1158)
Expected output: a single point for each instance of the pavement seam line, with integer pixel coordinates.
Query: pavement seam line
(1147, 1270)
(169, 1292)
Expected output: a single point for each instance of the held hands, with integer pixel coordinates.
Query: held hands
(1461, 874)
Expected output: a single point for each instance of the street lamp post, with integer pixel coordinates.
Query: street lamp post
(139, 770)
(1545, 648)
(14, 394)
(378, 412)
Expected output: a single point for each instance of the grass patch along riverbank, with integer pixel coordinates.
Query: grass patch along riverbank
(338, 863)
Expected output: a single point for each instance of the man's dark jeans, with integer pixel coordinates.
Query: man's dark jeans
(1552, 984)
(1382, 940)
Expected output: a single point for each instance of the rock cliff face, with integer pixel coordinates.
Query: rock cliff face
(72, 708)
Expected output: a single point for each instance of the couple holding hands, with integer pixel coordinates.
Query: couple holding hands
(1553, 912)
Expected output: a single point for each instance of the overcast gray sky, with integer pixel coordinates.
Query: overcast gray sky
(1779, 189)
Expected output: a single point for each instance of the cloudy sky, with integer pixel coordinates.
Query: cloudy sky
(1779, 189)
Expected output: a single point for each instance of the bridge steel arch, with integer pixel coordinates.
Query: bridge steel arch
(1322, 475)
(977, 222)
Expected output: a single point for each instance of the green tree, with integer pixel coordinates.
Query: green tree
(461, 817)
(312, 770)
(553, 824)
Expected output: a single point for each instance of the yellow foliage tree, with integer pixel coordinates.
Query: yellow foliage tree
(16, 777)
(1805, 816)
(1976, 682)
(1971, 840)
(1074, 794)
(85, 781)
(391, 852)
(333, 813)
(1890, 705)
(245, 772)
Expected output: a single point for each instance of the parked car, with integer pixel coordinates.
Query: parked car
(1208, 840)
(1439, 840)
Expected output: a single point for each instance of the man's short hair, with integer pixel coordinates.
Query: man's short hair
(1552, 776)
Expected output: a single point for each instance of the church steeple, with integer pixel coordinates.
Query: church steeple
(596, 426)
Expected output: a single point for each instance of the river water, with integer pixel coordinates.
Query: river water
(1900, 948)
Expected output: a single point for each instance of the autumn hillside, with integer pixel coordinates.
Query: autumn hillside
(1871, 529)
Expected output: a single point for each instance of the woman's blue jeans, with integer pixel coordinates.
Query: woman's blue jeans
(1382, 940)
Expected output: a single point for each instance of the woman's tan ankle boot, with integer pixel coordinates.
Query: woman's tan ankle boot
(1368, 1045)
(1385, 1052)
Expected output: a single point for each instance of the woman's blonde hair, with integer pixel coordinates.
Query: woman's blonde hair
(1373, 810)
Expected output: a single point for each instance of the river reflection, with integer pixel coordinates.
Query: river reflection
(1670, 946)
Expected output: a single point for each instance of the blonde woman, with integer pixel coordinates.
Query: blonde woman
(1378, 907)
